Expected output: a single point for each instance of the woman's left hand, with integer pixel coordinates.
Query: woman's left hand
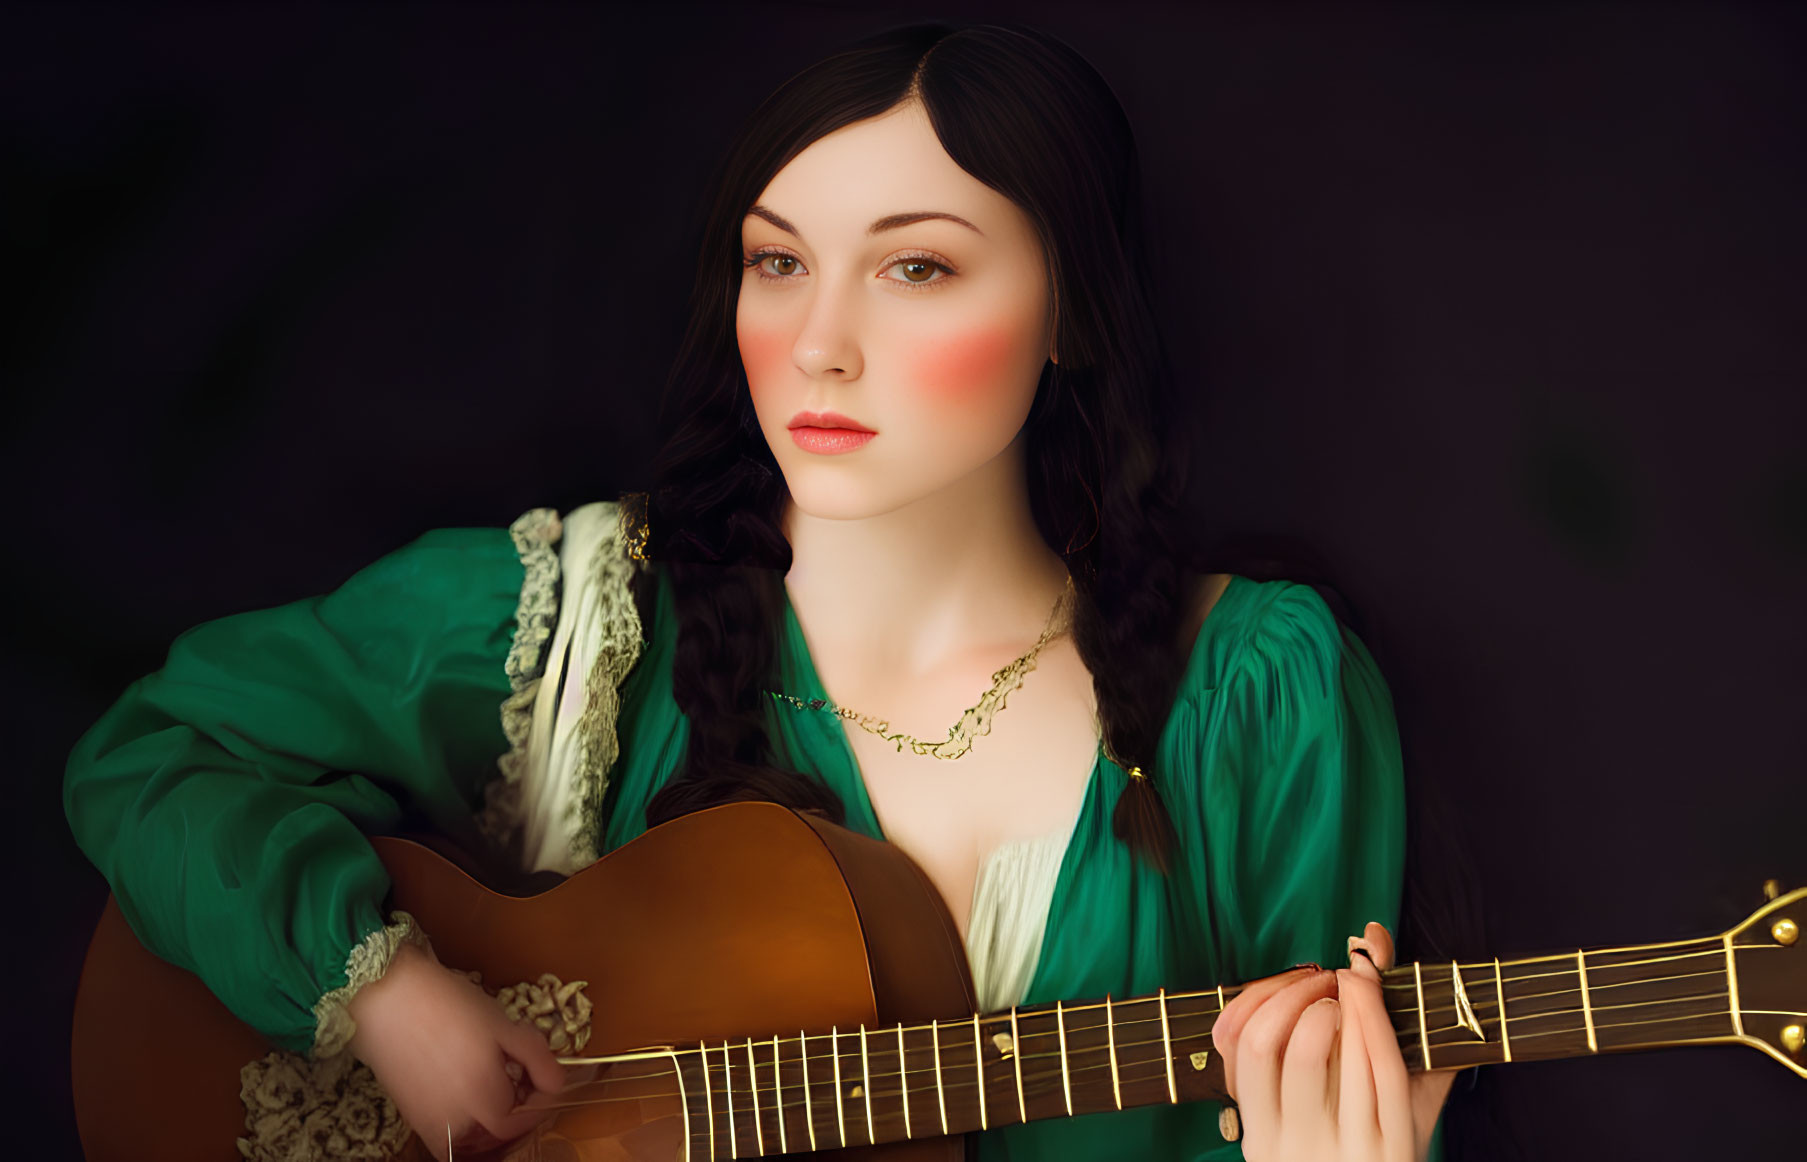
(1314, 1066)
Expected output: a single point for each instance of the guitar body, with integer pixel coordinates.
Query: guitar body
(723, 925)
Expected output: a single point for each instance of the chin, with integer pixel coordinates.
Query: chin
(831, 495)
(827, 499)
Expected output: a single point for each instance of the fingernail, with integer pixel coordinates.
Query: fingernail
(1311, 964)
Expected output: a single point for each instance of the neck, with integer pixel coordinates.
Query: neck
(922, 581)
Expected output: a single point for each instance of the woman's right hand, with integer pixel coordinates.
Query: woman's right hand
(439, 1046)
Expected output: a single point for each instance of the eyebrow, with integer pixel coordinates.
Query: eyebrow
(888, 222)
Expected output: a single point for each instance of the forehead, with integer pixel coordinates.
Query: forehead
(837, 186)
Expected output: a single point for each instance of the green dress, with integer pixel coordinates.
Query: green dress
(226, 797)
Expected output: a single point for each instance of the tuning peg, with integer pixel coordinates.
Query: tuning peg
(1771, 889)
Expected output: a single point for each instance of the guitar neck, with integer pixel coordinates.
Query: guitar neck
(850, 1087)
(1647, 996)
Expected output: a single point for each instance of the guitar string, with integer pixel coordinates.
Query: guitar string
(876, 1094)
(1591, 988)
(1411, 1042)
(1050, 1075)
(1485, 967)
(1004, 1019)
(1595, 988)
(1232, 990)
(1050, 1055)
(920, 1092)
(1718, 950)
(1484, 1005)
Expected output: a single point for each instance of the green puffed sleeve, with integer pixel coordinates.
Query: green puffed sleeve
(1305, 807)
(227, 796)
(1307, 803)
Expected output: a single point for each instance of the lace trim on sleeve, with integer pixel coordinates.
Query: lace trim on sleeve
(536, 615)
(368, 961)
(617, 624)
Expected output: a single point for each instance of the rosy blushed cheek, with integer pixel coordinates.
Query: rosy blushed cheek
(763, 352)
(965, 365)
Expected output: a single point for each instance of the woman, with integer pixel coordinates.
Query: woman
(910, 459)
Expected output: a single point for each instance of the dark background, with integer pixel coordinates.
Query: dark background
(1497, 311)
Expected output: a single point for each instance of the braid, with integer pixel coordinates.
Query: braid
(726, 645)
(1130, 585)
(1125, 634)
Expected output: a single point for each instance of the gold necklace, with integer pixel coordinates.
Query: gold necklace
(973, 723)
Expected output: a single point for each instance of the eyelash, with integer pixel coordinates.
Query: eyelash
(756, 260)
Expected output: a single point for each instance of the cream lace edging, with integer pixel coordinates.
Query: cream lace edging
(596, 595)
(310, 1110)
(617, 619)
(534, 533)
(368, 961)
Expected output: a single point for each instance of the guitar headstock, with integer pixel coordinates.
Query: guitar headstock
(1769, 978)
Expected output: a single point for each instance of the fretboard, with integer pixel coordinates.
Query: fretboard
(850, 1087)
(1453, 1015)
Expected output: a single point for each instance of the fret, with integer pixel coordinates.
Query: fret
(753, 1073)
(1424, 1040)
(784, 1146)
(1066, 1084)
(1587, 1008)
(903, 1079)
(940, 1093)
(1016, 1055)
(979, 1067)
(834, 1048)
(708, 1097)
(1731, 976)
(1173, 1093)
(728, 1085)
(809, 1110)
(866, 1086)
(677, 1069)
(1110, 1028)
(1499, 1001)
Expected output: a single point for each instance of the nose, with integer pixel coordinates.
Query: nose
(829, 339)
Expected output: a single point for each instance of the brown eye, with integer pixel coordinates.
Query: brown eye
(919, 270)
(756, 261)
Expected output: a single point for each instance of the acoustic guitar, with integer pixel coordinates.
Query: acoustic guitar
(767, 982)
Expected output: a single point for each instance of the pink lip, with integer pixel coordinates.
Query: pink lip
(830, 441)
(826, 420)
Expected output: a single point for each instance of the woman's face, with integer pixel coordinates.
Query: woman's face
(930, 333)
